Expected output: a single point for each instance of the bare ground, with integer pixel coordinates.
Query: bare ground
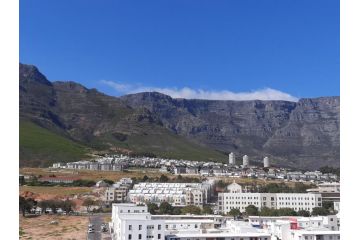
(68, 227)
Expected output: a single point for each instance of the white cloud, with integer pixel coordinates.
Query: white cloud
(188, 93)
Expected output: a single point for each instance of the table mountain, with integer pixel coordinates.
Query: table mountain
(303, 134)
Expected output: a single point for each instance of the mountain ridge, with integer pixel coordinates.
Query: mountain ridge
(303, 134)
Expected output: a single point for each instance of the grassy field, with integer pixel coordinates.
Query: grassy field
(55, 190)
(39, 146)
(68, 227)
(169, 145)
(92, 175)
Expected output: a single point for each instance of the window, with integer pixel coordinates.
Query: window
(129, 236)
(129, 227)
(159, 227)
(139, 236)
(159, 236)
(139, 227)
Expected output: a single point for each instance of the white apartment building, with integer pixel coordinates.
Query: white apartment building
(232, 159)
(314, 235)
(236, 198)
(177, 194)
(131, 222)
(329, 222)
(118, 192)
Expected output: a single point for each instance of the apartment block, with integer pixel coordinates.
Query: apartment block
(238, 199)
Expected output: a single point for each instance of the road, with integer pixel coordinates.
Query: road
(97, 220)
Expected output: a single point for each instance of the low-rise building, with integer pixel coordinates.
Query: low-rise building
(177, 194)
(118, 192)
(58, 179)
(236, 198)
(131, 222)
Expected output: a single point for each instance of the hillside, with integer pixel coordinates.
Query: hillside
(303, 134)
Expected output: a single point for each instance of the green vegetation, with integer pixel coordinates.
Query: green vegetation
(67, 205)
(284, 188)
(25, 204)
(328, 169)
(320, 211)
(41, 147)
(76, 183)
(252, 210)
(165, 208)
(163, 143)
(235, 212)
(191, 209)
(152, 208)
(207, 210)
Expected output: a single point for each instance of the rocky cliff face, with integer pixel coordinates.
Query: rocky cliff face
(303, 134)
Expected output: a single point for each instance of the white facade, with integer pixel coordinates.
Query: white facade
(297, 201)
(337, 206)
(232, 159)
(118, 192)
(266, 162)
(245, 161)
(131, 222)
(177, 194)
(314, 235)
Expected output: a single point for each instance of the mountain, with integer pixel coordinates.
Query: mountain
(64, 121)
(303, 134)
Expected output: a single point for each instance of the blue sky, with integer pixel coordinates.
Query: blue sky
(239, 49)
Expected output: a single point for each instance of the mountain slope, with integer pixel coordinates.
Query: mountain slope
(303, 134)
(94, 121)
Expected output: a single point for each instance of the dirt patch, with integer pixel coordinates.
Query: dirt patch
(67, 227)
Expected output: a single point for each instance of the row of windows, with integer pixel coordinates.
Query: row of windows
(140, 236)
(148, 227)
(272, 198)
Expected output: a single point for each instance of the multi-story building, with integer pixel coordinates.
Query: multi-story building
(329, 222)
(236, 198)
(232, 159)
(330, 191)
(118, 192)
(131, 222)
(177, 194)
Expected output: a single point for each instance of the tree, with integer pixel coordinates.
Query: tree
(265, 211)
(163, 178)
(43, 205)
(207, 210)
(176, 211)
(286, 212)
(88, 202)
(328, 205)
(179, 178)
(252, 210)
(234, 212)
(54, 204)
(68, 206)
(191, 209)
(165, 208)
(303, 213)
(25, 205)
(152, 208)
(109, 182)
(320, 211)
